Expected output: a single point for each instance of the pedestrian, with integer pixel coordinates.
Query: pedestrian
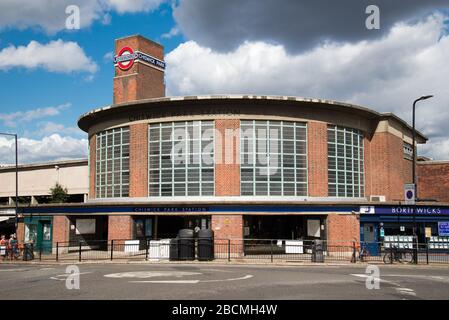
(13, 247)
(3, 246)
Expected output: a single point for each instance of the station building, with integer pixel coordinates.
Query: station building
(246, 166)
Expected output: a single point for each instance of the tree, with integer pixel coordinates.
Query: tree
(59, 194)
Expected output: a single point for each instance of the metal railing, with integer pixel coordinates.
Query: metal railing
(264, 250)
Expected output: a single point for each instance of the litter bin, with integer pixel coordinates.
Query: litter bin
(317, 251)
(186, 244)
(174, 250)
(28, 253)
(205, 245)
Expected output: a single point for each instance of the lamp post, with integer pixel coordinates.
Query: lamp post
(415, 255)
(17, 179)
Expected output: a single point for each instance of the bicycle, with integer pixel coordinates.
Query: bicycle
(363, 253)
(395, 255)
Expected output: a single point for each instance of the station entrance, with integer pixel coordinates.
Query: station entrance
(294, 227)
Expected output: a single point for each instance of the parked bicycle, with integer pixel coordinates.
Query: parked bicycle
(363, 253)
(396, 255)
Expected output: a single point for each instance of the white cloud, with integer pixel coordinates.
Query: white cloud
(48, 128)
(48, 15)
(123, 6)
(14, 118)
(53, 147)
(55, 56)
(172, 33)
(385, 74)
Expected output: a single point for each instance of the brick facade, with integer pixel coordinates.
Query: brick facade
(433, 180)
(138, 160)
(317, 159)
(228, 227)
(227, 155)
(20, 232)
(120, 227)
(343, 227)
(61, 227)
(140, 81)
(386, 169)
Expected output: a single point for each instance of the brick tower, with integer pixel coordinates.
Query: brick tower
(139, 69)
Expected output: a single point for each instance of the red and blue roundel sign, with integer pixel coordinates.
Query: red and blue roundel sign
(125, 58)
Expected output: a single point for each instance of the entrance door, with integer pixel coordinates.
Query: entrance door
(44, 236)
(370, 238)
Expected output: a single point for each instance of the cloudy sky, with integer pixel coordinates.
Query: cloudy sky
(49, 75)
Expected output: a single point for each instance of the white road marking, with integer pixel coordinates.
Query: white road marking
(248, 276)
(406, 291)
(151, 274)
(65, 275)
(19, 269)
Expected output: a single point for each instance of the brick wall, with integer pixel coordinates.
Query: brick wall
(92, 165)
(61, 229)
(227, 173)
(386, 170)
(140, 81)
(20, 232)
(228, 227)
(317, 159)
(344, 227)
(433, 181)
(138, 157)
(120, 227)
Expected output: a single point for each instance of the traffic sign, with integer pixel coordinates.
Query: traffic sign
(409, 193)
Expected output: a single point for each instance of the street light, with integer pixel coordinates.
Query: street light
(415, 255)
(17, 179)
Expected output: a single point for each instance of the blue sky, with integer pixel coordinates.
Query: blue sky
(49, 75)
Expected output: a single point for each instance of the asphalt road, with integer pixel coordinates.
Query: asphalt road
(211, 281)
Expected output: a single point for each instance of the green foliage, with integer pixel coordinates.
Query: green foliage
(59, 194)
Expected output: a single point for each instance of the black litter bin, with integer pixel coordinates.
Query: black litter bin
(174, 249)
(205, 245)
(186, 244)
(28, 253)
(317, 251)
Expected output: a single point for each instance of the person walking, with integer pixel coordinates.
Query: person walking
(3, 247)
(14, 247)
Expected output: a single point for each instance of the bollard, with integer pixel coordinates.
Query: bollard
(112, 250)
(79, 255)
(229, 250)
(271, 250)
(57, 251)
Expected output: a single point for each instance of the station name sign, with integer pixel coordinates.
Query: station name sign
(126, 57)
(405, 210)
(171, 209)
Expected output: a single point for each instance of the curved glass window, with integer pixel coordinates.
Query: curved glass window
(345, 162)
(112, 163)
(273, 157)
(181, 159)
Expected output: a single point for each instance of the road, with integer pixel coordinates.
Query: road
(213, 281)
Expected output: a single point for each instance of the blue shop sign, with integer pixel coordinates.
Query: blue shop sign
(405, 210)
(443, 229)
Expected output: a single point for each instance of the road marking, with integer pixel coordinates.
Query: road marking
(248, 276)
(59, 276)
(151, 274)
(406, 291)
(19, 269)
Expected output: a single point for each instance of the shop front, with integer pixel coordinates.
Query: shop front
(39, 232)
(379, 224)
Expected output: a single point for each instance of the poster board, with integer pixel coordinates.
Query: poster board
(85, 226)
(313, 228)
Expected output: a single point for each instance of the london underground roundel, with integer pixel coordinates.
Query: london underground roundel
(125, 58)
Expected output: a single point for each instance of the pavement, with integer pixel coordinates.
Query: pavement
(214, 281)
